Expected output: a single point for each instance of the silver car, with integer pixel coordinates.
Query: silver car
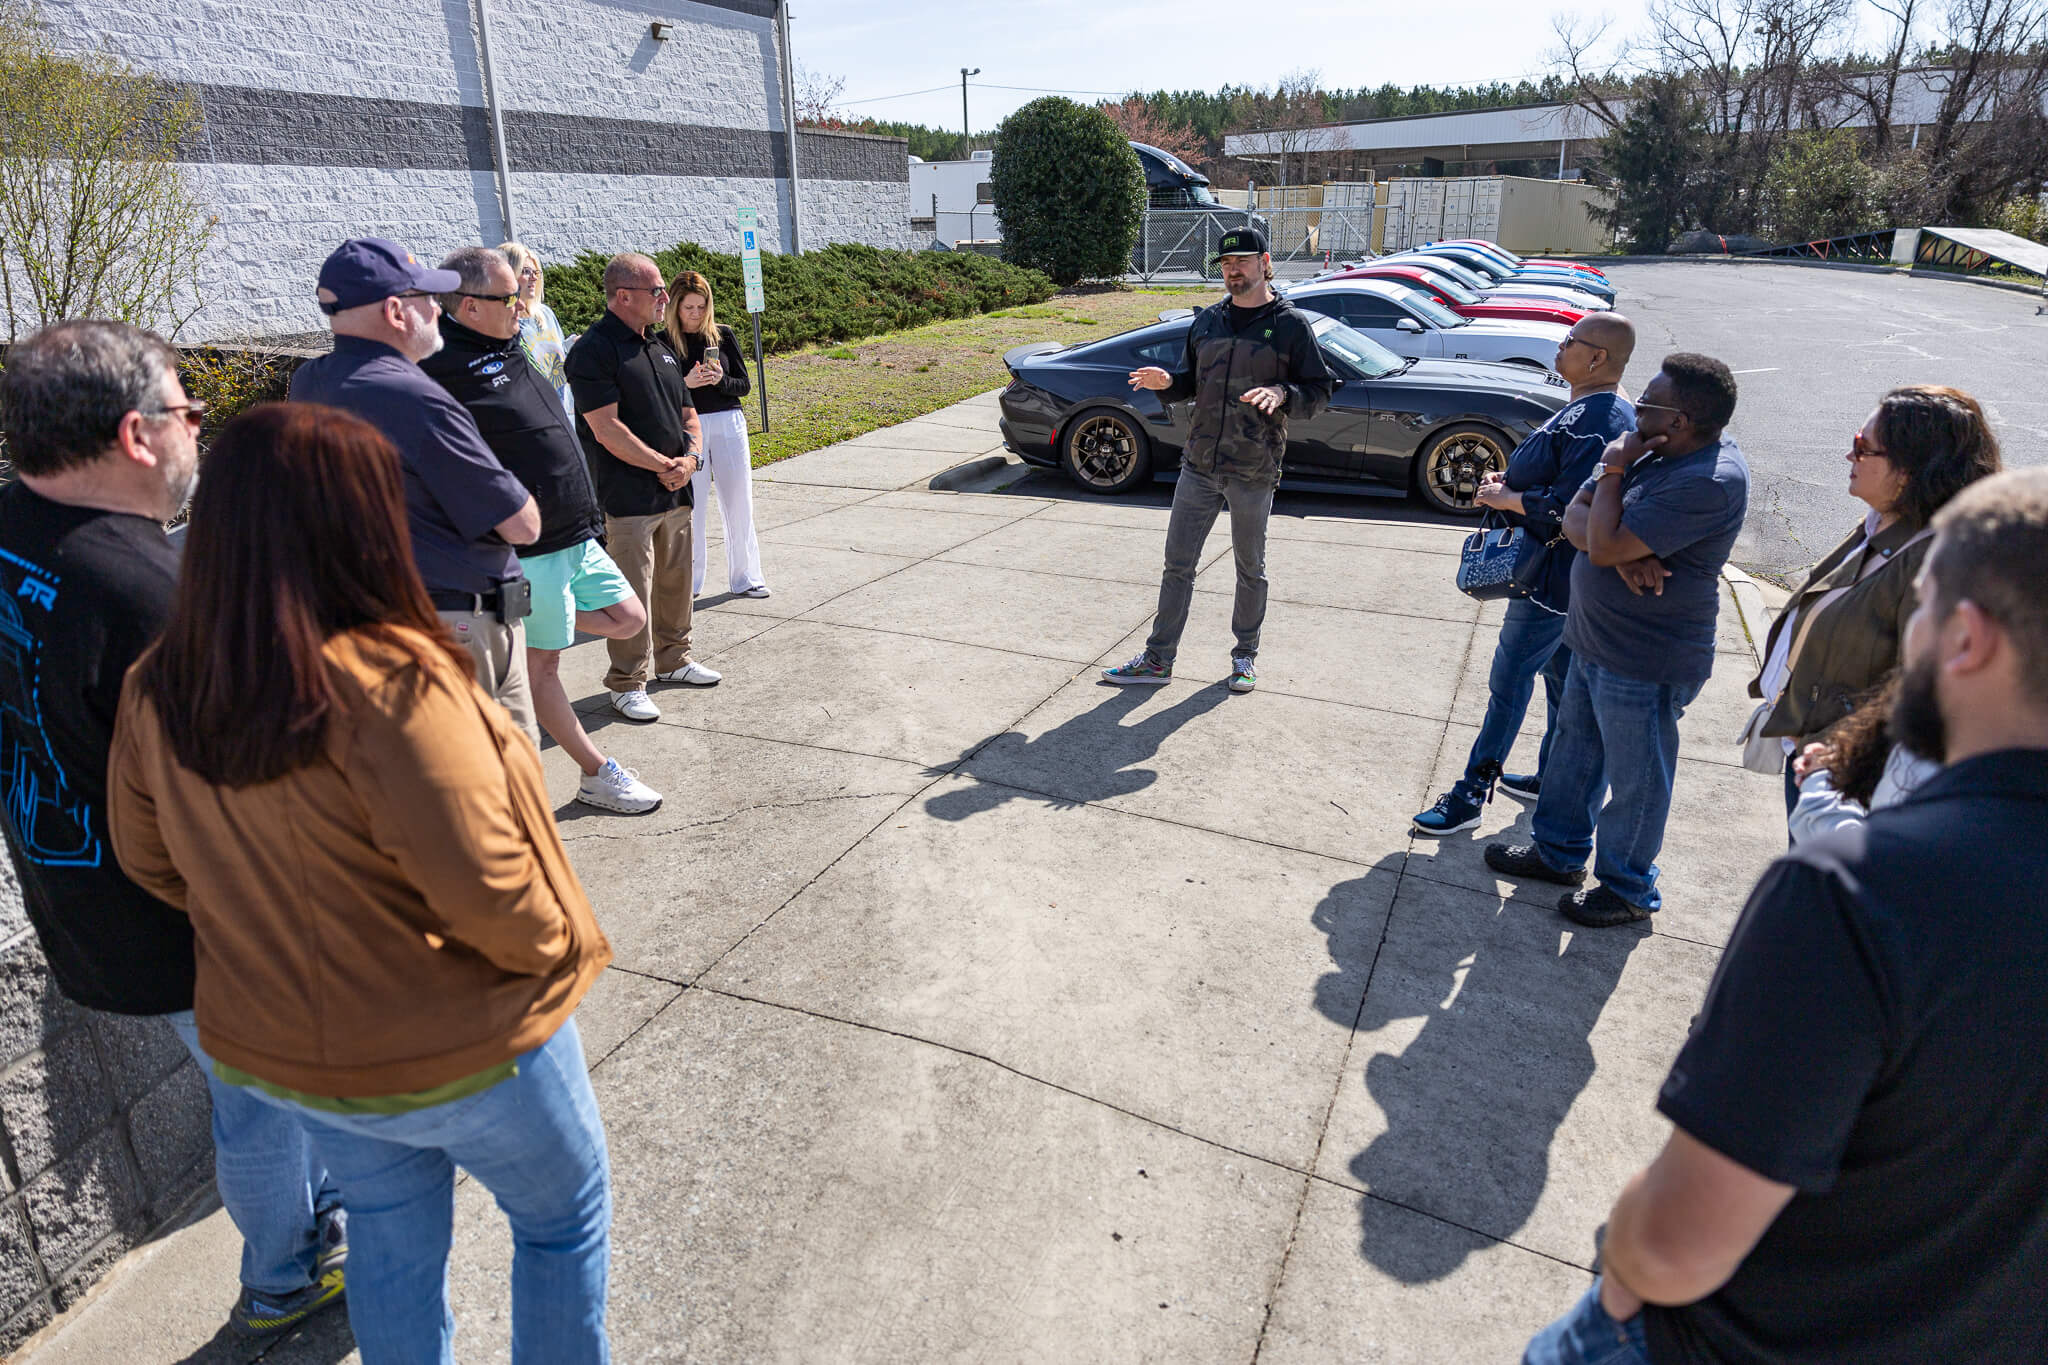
(1419, 328)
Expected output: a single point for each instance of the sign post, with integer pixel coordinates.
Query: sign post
(750, 272)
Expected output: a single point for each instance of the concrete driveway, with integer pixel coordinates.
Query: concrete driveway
(966, 1007)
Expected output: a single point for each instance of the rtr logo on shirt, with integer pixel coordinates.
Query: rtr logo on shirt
(667, 359)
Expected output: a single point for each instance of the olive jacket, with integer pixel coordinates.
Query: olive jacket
(1854, 641)
(398, 914)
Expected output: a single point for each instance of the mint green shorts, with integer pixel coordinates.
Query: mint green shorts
(580, 578)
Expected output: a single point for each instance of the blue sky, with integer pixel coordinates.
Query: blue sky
(1059, 46)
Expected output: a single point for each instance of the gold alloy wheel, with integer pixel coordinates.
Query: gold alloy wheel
(1456, 462)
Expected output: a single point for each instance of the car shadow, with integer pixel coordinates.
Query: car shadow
(1288, 503)
(1092, 757)
(1508, 999)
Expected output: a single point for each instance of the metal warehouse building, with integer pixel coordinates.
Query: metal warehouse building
(623, 124)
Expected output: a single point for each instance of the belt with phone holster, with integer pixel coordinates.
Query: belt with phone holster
(511, 601)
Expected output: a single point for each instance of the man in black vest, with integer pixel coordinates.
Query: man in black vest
(576, 586)
(1250, 363)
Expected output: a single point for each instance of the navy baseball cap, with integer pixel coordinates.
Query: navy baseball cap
(1244, 241)
(369, 270)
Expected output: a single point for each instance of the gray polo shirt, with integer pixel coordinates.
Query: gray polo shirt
(1688, 510)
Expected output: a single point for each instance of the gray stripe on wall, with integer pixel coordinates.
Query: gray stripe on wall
(247, 126)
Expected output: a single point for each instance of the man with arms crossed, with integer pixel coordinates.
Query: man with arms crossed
(1860, 1166)
(1665, 502)
(641, 436)
(103, 439)
(575, 584)
(1543, 476)
(1250, 363)
(465, 509)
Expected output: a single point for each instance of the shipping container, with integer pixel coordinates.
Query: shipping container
(1523, 215)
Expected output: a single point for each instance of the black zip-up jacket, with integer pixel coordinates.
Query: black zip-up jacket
(1275, 347)
(521, 418)
(726, 394)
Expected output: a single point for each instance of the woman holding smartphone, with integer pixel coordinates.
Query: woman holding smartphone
(717, 377)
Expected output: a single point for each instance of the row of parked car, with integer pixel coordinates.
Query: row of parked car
(1443, 357)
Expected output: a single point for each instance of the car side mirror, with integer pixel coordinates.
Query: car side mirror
(1407, 325)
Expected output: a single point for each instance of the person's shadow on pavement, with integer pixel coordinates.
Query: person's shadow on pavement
(1088, 758)
(1473, 1104)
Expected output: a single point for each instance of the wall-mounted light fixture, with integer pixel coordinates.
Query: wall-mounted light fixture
(660, 31)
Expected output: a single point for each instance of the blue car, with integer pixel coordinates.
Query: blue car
(1500, 272)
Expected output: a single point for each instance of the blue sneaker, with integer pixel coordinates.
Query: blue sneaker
(1141, 672)
(1456, 809)
(1526, 786)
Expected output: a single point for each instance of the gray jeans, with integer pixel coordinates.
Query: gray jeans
(1197, 499)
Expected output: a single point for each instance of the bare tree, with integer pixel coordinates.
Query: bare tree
(1136, 121)
(97, 218)
(817, 98)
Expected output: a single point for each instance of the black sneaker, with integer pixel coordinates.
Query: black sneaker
(1599, 908)
(1524, 785)
(1522, 860)
(1456, 809)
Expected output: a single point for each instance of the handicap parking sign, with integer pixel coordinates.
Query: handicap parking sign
(747, 241)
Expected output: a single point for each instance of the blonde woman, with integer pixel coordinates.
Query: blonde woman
(717, 376)
(540, 332)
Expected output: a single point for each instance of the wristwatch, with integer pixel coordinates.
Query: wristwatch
(1606, 469)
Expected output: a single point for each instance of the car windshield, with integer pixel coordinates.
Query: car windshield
(1471, 279)
(1434, 311)
(1450, 288)
(1362, 353)
(1201, 195)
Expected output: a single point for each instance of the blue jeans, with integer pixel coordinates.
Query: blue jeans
(1588, 1336)
(535, 1142)
(1531, 642)
(1616, 737)
(272, 1182)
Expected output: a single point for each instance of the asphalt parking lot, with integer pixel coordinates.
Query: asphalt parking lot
(1814, 349)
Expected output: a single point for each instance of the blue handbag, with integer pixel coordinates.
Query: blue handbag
(1486, 566)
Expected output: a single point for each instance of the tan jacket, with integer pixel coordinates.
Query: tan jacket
(396, 915)
(1855, 640)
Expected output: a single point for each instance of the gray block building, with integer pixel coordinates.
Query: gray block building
(354, 118)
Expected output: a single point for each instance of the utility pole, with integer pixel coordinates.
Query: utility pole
(796, 212)
(966, 138)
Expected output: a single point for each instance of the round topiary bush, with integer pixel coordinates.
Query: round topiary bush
(1069, 192)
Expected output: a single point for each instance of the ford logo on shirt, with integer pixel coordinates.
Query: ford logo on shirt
(492, 368)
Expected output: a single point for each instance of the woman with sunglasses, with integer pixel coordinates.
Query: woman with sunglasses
(1838, 637)
(389, 938)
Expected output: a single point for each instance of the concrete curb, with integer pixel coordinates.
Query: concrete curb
(969, 477)
(1751, 606)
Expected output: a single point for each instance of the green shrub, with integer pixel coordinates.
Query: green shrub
(838, 293)
(1069, 192)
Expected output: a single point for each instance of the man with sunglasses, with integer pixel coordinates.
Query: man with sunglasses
(465, 509)
(1664, 504)
(641, 437)
(104, 443)
(576, 586)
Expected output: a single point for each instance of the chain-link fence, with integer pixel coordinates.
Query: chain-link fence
(1181, 243)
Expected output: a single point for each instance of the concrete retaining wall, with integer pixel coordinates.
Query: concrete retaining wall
(360, 118)
(104, 1133)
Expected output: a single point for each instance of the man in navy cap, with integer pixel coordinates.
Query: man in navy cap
(1250, 362)
(466, 509)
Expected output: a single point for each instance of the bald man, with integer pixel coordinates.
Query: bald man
(1542, 477)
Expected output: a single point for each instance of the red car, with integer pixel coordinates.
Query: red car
(1458, 298)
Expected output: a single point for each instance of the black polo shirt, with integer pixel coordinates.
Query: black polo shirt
(1875, 1036)
(456, 491)
(612, 363)
(521, 418)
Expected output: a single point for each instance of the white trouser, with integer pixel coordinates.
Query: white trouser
(731, 469)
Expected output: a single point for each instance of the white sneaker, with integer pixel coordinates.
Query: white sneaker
(692, 673)
(635, 705)
(761, 591)
(614, 788)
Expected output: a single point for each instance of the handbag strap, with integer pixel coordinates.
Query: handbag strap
(1871, 564)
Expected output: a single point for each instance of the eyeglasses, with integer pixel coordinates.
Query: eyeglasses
(507, 299)
(658, 290)
(1661, 407)
(1860, 449)
(1581, 341)
(194, 414)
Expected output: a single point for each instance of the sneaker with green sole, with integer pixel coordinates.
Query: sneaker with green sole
(1243, 676)
(1141, 672)
(267, 1315)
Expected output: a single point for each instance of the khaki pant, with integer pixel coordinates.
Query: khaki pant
(500, 654)
(653, 554)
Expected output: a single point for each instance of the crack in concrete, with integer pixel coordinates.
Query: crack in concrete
(667, 830)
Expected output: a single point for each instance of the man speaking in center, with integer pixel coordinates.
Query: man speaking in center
(1250, 363)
